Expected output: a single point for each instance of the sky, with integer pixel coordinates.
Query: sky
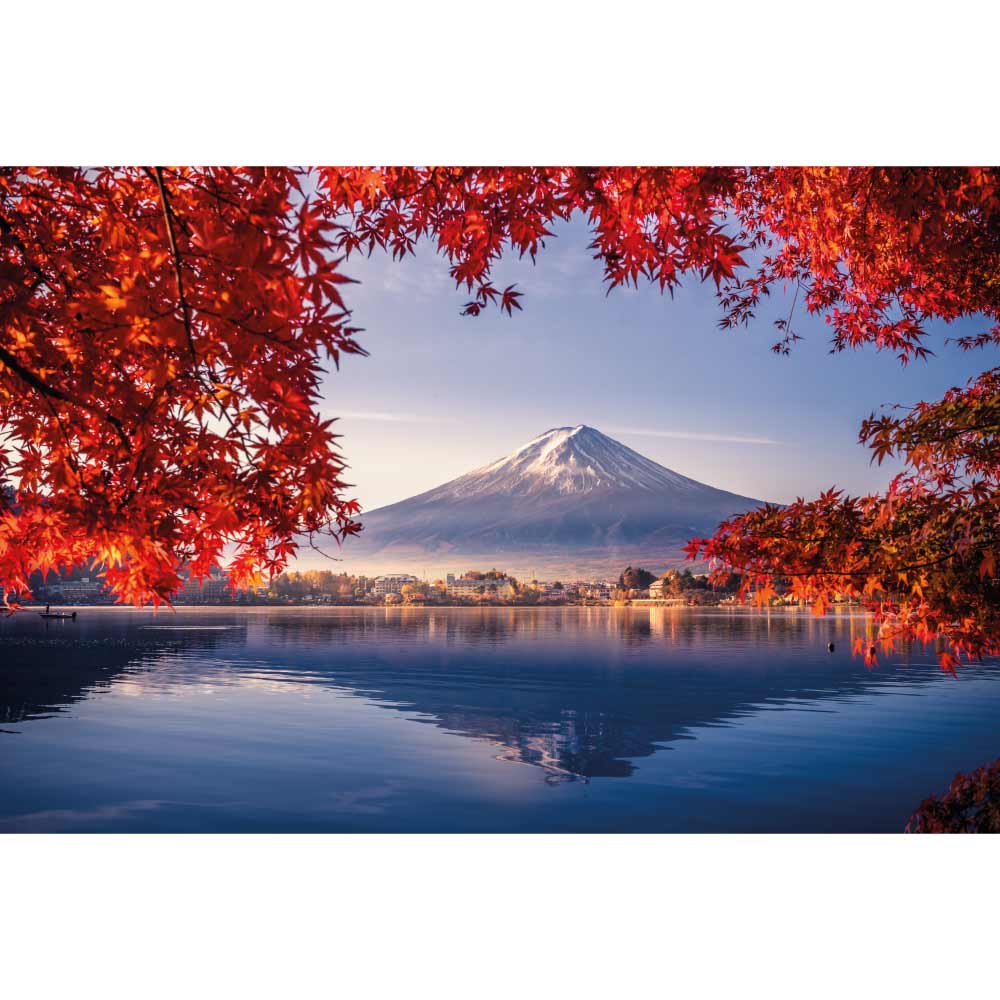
(441, 394)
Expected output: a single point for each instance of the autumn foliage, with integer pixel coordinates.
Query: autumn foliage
(971, 805)
(161, 334)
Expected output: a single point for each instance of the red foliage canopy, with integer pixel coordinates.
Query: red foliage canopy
(159, 371)
(161, 330)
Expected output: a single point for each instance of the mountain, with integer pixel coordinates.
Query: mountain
(572, 502)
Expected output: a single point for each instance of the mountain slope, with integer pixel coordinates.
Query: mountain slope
(572, 501)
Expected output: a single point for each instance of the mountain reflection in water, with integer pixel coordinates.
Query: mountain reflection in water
(612, 686)
(576, 693)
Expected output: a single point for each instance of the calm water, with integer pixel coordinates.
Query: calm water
(552, 719)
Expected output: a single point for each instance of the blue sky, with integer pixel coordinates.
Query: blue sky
(441, 394)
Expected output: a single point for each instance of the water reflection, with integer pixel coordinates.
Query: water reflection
(580, 693)
(44, 670)
(586, 692)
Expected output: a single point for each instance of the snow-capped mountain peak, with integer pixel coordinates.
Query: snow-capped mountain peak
(567, 460)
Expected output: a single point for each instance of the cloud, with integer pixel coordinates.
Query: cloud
(389, 418)
(694, 436)
(423, 277)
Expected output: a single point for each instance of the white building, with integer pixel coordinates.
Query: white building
(77, 591)
(391, 583)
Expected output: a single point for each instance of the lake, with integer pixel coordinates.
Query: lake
(469, 719)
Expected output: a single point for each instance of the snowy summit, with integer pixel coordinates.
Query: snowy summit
(568, 460)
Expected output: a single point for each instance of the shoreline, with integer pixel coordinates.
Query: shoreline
(644, 606)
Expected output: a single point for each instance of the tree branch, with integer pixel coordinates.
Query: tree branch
(168, 218)
(51, 392)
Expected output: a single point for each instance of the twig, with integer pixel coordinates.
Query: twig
(175, 252)
(50, 391)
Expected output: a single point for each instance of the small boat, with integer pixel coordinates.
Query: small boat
(71, 615)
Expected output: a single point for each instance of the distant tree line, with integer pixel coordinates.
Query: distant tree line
(317, 583)
(676, 583)
(635, 578)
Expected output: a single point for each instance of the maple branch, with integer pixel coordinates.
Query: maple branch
(975, 546)
(908, 568)
(908, 438)
(8, 230)
(51, 392)
(70, 455)
(791, 311)
(249, 217)
(325, 555)
(168, 217)
(269, 335)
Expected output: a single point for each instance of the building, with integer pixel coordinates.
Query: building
(656, 590)
(391, 583)
(82, 591)
(213, 589)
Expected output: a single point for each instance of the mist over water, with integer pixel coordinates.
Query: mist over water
(465, 719)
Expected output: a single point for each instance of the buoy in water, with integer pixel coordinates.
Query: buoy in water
(830, 647)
